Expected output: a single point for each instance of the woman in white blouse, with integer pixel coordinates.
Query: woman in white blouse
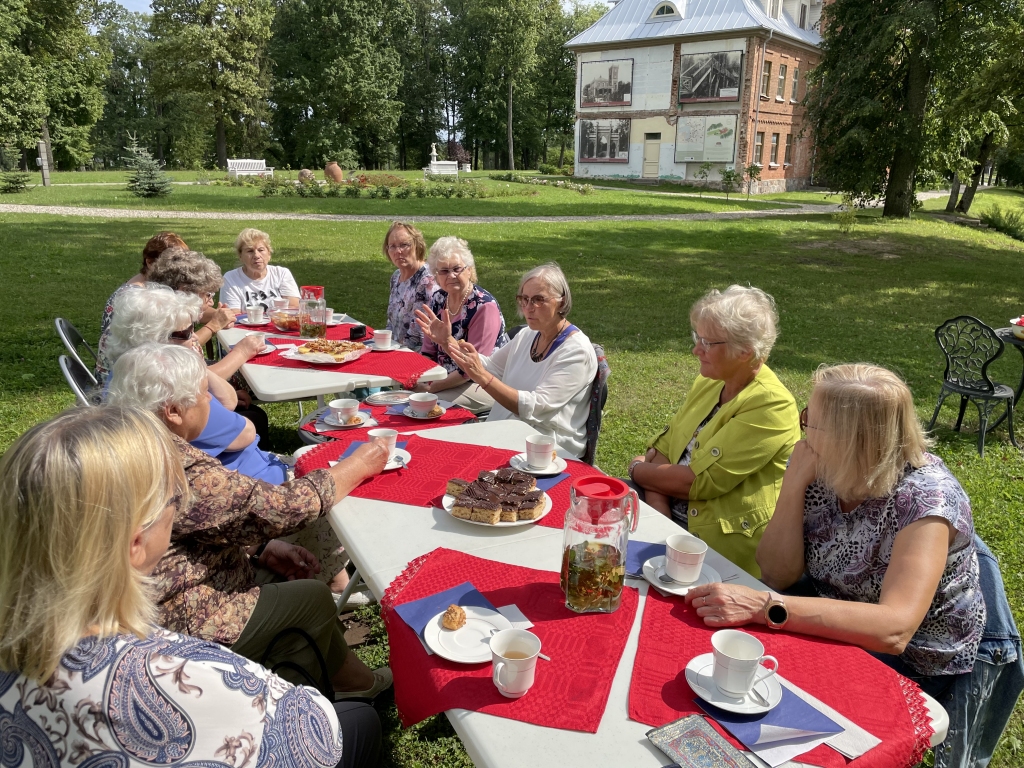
(543, 376)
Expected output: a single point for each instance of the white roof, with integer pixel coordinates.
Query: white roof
(630, 20)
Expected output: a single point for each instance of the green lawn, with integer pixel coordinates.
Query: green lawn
(874, 296)
(985, 200)
(808, 197)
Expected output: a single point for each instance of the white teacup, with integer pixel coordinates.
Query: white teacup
(513, 661)
(343, 409)
(382, 339)
(327, 315)
(255, 314)
(261, 339)
(422, 403)
(737, 665)
(279, 303)
(540, 451)
(390, 435)
(684, 557)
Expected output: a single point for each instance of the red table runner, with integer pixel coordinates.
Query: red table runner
(846, 678)
(451, 417)
(334, 332)
(570, 691)
(403, 367)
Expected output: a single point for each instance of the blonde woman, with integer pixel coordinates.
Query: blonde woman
(717, 467)
(257, 281)
(87, 502)
(412, 284)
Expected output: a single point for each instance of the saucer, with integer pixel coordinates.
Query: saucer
(267, 349)
(392, 347)
(393, 464)
(330, 420)
(654, 567)
(470, 643)
(413, 415)
(266, 321)
(519, 462)
(698, 676)
(394, 397)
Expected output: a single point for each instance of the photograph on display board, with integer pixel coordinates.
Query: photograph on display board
(706, 139)
(604, 141)
(710, 76)
(606, 83)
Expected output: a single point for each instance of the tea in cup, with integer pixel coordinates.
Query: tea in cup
(344, 409)
(382, 339)
(684, 557)
(513, 661)
(389, 435)
(540, 451)
(254, 314)
(737, 662)
(422, 403)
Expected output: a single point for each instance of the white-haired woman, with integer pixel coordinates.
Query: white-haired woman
(257, 281)
(87, 502)
(158, 314)
(544, 375)
(717, 467)
(463, 311)
(885, 534)
(206, 583)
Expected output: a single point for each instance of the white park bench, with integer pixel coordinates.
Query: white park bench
(238, 168)
(442, 168)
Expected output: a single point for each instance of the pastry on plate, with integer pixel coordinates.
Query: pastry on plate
(456, 487)
(486, 512)
(463, 507)
(454, 618)
(531, 506)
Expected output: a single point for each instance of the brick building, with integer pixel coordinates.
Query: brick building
(666, 85)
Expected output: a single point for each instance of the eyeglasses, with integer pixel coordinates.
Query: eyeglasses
(803, 421)
(537, 301)
(208, 297)
(399, 247)
(454, 272)
(704, 342)
(185, 335)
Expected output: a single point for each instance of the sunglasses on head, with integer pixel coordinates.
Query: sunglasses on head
(184, 335)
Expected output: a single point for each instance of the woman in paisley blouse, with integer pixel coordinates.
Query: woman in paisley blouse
(882, 529)
(86, 678)
(473, 315)
(412, 285)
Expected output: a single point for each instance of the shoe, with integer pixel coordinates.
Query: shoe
(382, 680)
(355, 600)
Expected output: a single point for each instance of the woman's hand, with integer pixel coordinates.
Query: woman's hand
(249, 346)
(727, 605)
(244, 399)
(803, 464)
(465, 356)
(221, 318)
(289, 560)
(439, 329)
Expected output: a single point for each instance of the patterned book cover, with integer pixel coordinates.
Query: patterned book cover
(693, 743)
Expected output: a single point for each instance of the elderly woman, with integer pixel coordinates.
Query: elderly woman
(717, 467)
(158, 314)
(884, 532)
(257, 281)
(544, 375)
(87, 504)
(205, 582)
(466, 312)
(412, 285)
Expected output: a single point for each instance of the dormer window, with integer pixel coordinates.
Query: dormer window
(665, 12)
(774, 8)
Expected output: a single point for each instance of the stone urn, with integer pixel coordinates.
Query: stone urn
(306, 176)
(333, 172)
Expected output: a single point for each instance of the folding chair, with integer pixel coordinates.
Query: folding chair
(73, 341)
(79, 379)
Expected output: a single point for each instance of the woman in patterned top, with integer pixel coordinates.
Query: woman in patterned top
(472, 314)
(86, 678)
(882, 529)
(412, 285)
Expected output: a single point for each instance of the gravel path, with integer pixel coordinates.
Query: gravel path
(127, 213)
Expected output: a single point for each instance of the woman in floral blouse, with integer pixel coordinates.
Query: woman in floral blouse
(86, 678)
(412, 285)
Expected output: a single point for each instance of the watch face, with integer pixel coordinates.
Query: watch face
(777, 614)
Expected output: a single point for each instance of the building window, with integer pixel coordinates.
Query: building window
(665, 12)
(759, 147)
(775, 8)
(789, 149)
(766, 79)
(780, 93)
(773, 158)
(796, 84)
(803, 17)
(604, 141)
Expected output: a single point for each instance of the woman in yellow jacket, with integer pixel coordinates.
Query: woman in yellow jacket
(717, 468)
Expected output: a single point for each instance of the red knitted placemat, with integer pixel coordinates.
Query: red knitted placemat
(451, 417)
(403, 367)
(570, 691)
(846, 678)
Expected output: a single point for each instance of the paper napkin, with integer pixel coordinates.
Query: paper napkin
(638, 553)
(418, 612)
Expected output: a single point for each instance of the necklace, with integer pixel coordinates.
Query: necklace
(458, 307)
(538, 356)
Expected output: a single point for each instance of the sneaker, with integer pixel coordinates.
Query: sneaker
(382, 680)
(355, 600)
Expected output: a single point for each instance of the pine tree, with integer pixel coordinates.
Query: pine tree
(148, 178)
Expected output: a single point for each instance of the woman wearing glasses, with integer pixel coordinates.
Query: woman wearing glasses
(412, 285)
(717, 467)
(543, 376)
(460, 310)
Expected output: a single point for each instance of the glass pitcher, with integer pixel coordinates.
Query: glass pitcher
(312, 323)
(602, 513)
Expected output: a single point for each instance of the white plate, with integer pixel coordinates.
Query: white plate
(393, 347)
(698, 676)
(394, 464)
(322, 358)
(469, 644)
(336, 319)
(448, 501)
(267, 349)
(329, 419)
(394, 397)
(412, 415)
(246, 322)
(519, 462)
(656, 566)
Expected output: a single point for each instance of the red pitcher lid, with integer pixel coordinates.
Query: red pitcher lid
(600, 487)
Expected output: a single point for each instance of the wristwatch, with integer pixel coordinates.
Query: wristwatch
(775, 612)
(254, 558)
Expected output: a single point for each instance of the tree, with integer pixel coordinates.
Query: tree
(731, 179)
(22, 85)
(703, 172)
(420, 43)
(147, 178)
(753, 172)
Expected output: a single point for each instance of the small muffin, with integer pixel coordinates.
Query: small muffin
(454, 618)
(463, 507)
(456, 487)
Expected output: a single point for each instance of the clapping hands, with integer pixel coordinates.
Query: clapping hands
(439, 329)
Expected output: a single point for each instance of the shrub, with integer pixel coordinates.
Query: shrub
(380, 180)
(373, 192)
(731, 179)
(1010, 222)
(384, 192)
(309, 188)
(441, 177)
(147, 177)
(351, 190)
(334, 189)
(13, 182)
(846, 217)
(403, 192)
(553, 170)
(518, 178)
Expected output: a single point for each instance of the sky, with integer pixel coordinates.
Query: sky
(140, 6)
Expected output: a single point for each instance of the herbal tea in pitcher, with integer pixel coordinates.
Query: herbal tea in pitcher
(592, 576)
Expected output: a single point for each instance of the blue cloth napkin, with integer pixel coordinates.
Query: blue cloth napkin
(638, 553)
(547, 483)
(399, 410)
(352, 448)
(792, 718)
(417, 613)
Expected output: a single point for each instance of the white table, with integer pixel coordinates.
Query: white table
(382, 537)
(274, 385)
